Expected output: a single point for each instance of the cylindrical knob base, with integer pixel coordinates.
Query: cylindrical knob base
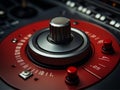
(52, 49)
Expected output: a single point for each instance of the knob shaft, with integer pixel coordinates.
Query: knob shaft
(60, 30)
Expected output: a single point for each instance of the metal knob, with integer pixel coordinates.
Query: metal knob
(60, 30)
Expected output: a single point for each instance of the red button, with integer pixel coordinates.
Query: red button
(72, 70)
(107, 47)
(72, 77)
(107, 42)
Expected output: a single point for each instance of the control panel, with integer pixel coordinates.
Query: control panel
(59, 44)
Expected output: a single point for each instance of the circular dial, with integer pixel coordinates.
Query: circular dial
(60, 46)
(14, 60)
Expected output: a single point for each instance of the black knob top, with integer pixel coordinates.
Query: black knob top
(60, 30)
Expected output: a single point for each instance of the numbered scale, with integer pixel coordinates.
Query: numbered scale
(58, 54)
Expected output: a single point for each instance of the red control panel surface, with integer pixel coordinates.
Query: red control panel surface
(20, 72)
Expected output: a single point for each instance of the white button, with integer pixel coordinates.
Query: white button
(112, 22)
(2, 32)
(117, 25)
(14, 40)
(88, 12)
(80, 8)
(2, 12)
(25, 74)
(72, 4)
(68, 3)
(15, 23)
(84, 10)
(102, 18)
(98, 16)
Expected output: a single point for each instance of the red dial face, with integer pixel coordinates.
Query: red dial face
(20, 72)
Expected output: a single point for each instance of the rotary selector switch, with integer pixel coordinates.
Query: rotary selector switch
(59, 45)
(60, 30)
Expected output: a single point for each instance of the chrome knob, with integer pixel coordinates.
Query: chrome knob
(60, 30)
